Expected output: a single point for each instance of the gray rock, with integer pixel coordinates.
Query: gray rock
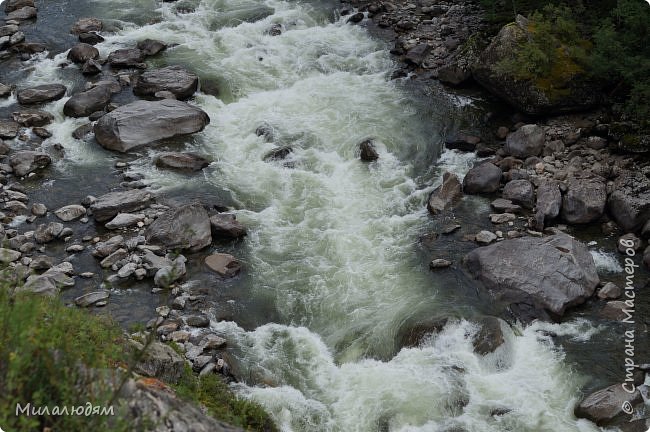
(484, 178)
(185, 227)
(445, 195)
(39, 209)
(104, 249)
(108, 206)
(609, 291)
(563, 274)
(520, 192)
(31, 118)
(45, 233)
(87, 25)
(8, 255)
(549, 203)
(124, 220)
(585, 199)
(166, 276)
(114, 258)
(40, 94)
(462, 141)
(160, 361)
(82, 52)
(127, 270)
(504, 205)
(154, 261)
(22, 14)
(604, 407)
(39, 285)
(8, 129)
(526, 141)
(646, 257)
(91, 298)
(12, 5)
(439, 263)
(418, 54)
(224, 264)
(489, 337)
(90, 38)
(197, 321)
(629, 241)
(485, 237)
(85, 103)
(501, 218)
(175, 79)
(151, 47)
(24, 162)
(181, 161)
(278, 153)
(70, 212)
(127, 58)
(629, 203)
(226, 226)
(144, 122)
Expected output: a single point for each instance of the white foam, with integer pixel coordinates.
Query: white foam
(606, 261)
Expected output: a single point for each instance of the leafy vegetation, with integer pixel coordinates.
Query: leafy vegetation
(56, 356)
(606, 40)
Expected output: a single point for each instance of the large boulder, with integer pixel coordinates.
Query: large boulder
(181, 161)
(629, 203)
(549, 203)
(40, 94)
(548, 274)
(526, 141)
(226, 226)
(185, 227)
(175, 79)
(25, 162)
(82, 52)
(566, 89)
(444, 196)
(87, 102)
(144, 122)
(585, 199)
(484, 178)
(521, 192)
(160, 361)
(127, 58)
(107, 206)
(605, 407)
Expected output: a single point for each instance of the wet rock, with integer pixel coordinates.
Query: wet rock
(445, 195)
(87, 25)
(197, 321)
(127, 58)
(181, 161)
(144, 122)
(484, 178)
(413, 332)
(82, 52)
(8, 255)
(226, 226)
(549, 203)
(526, 141)
(439, 263)
(25, 162)
(520, 192)
(564, 273)
(185, 227)
(42, 132)
(12, 5)
(46, 233)
(124, 220)
(31, 118)
(82, 131)
(629, 241)
(39, 209)
(356, 18)
(70, 212)
(40, 94)
(87, 102)
(8, 129)
(278, 153)
(462, 142)
(175, 79)
(108, 206)
(5, 90)
(605, 407)
(418, 54)
(223, 264)
(489, 337)
(167, 275)
(629, 203)
(90, 38)
(367, 150)
(160, 361)
(485, 237)
(22, 14)
(275, 30)
(151, 47)
(609, 291)
(585, 199)
(91, 298)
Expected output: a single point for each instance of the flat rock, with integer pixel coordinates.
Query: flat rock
(40, 94)
(82, 52)
(87, 25)
(563, 274)
(127, 58)
(224, 264)
(8, 129)
(124, 220)
(629, 203)
(70, 212)
(181, 161)
(185, 227)
(91, 298)
(25, 162)
(24, 13)
(109, 205)
(175, 79)
(144, 122)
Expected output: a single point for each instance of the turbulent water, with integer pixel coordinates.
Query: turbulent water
(332, 243)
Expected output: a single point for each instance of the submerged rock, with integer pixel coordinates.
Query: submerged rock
(31, 118)
(563, 274)
(144, 122)
(226, 226)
